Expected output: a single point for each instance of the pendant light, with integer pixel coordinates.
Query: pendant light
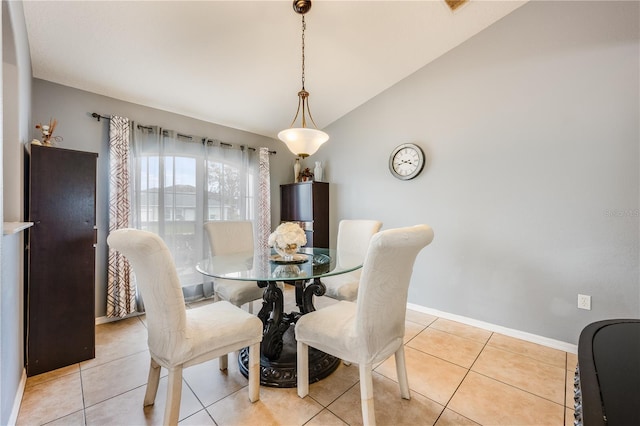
(303, 141)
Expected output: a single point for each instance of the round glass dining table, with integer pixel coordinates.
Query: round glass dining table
(304, 271)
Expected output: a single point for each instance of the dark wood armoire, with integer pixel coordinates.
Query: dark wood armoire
(60, 258)
(307, 202)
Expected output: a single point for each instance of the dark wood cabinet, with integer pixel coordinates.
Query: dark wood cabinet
(60, 260)
(307, 202)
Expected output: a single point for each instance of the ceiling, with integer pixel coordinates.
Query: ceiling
(238, 63)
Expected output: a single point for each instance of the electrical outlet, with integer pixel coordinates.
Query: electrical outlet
(584, 302)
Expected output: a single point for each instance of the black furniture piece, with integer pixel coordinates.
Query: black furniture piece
(60, 258)
(607, 379)
(308, 203)
(278, 348)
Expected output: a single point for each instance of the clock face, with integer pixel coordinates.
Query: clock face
(406, 161)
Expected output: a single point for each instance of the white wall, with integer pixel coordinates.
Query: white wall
(531, 185)
(16, 108)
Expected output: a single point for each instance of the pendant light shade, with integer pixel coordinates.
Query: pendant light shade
(302, 140)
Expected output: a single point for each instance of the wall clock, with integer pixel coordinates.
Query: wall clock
(406, 161)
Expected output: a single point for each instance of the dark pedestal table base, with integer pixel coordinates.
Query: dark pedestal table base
(281, 373)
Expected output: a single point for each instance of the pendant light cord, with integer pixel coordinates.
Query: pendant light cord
(304, 27)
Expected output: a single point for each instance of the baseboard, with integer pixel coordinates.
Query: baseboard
(529, 337)
(13, 418)
(533, 338)
(104, 320)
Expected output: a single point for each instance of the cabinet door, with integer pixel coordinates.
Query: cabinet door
(307, 202)
(61, 275)
(296, 202)
(320, 214)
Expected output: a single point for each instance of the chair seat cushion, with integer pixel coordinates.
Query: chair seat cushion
(237, 292)
(331, 329)
(343, 286)
(213, 327)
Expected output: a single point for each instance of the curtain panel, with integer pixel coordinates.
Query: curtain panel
(121, 291)
(264, 201)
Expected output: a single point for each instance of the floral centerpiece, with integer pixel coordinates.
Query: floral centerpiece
(47, 133)
(287, 238)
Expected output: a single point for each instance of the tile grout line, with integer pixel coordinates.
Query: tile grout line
(486, 343)
(534, 360)
(115, 396)
(405, 343)
(463, 379)
(321, 410)
(84, 405)
(519, 388)
(184, 381)
(450, 334)
(112, 360)
(566, 372)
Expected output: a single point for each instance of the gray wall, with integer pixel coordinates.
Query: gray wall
(531, 185)
(16, 108)
(72, 108)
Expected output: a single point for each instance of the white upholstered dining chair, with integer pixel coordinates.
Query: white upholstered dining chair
(353, 240)
(229, 237)
(180, 337)
(371, 329)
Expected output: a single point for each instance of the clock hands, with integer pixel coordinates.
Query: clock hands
(404, 162)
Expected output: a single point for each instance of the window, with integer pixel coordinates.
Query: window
(181, 184)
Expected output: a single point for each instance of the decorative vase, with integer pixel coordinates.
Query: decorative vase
(317, 172)
(296, 170)
(287, 251)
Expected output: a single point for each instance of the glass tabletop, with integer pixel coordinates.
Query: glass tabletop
(308, 263)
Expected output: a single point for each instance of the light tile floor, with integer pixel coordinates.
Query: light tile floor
(458, 375)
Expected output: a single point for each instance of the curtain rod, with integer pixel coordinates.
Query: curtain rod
(99, 116)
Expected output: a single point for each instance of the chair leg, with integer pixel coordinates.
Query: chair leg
(152, 383)
(223, 362)
(174, 393)
(250, 307)
(401, 371)
(366, 395)
(254, 372)
(303, 369)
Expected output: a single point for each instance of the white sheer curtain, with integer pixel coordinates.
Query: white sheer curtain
(181, 181)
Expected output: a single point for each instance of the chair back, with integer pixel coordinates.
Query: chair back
(353, 240)
(384, 283)
(158, 282)
(229, 236)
